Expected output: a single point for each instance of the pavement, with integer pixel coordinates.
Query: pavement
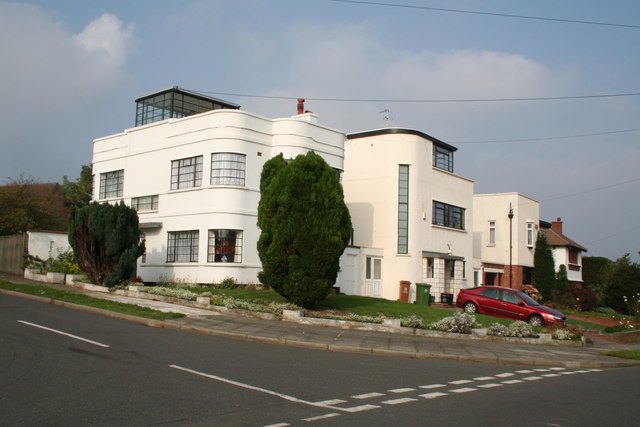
(327, 338)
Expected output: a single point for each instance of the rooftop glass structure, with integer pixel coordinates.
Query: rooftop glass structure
(176, 102)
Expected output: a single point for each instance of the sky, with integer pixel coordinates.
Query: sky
(520, 97)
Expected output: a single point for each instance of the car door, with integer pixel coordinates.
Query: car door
(512, 306)
(489, 301)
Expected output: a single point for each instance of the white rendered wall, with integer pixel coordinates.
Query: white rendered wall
(370, 183)
(146, 152)
(495, 207)
(46, 244)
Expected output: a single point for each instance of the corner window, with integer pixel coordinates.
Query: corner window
(442, 158)
(448, 215)
(186, 173)
(111, 184)
(146, 203)
(224, 246)
(182, 246)
(228, 168)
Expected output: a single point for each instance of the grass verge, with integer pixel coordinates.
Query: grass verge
(625, 354)
(81, 299)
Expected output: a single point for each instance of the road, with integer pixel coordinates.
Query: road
(59, 366)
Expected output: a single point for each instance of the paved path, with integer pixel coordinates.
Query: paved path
(373, 342)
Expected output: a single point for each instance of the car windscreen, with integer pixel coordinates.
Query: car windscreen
(527, 299)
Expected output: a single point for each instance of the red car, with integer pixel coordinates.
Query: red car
(509, 303)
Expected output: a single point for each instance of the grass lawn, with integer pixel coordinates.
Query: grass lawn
(626, 354)
(81, 299)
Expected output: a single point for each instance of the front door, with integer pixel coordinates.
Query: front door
(373, 277)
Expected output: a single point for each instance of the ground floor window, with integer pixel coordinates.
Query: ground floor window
(224, 246)
(182, 246)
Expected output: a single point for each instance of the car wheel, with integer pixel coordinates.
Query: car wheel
(536, 320)
(470, 307)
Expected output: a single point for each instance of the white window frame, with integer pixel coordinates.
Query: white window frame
(530, 234)
(492, 232)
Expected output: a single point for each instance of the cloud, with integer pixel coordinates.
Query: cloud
(48, 69)
(51, 79)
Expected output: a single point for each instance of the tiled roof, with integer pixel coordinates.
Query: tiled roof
(558, 239)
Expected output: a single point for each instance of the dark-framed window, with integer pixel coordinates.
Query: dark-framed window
(182, 246)
(145, 203)
(443, 158)
(228, 168)
(224, 246)
(448, 215)
(403, 209)
(186, 173)
(111, 184)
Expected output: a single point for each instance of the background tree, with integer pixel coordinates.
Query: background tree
(26, 204)
(624, 281)
(107, 241)
(305, 226)
(595, 275)
(544, 267)
(79, 192)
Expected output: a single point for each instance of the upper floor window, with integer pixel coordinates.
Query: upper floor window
(224, 246)
(492, 232)
(228, 168)
(146, 203)
(182, 246)
(111, 184)
(448, 215)
(186, 173)
(530, 238)
(442, 158)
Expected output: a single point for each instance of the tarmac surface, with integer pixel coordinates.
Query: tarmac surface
(355, 341)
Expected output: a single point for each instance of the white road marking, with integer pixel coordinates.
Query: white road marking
(278, 425)
(399, 401)
(321, 417)
(331, 402)
(525, 371)
(402, 390)
(430, 386)
(541, 370)
(367, 395)
(490, 385)
(558, 369)
(463, 390)
(550, 375)
(512, 382)
(484, 378)
(75, 337)
(505, 375)
(532, 378)
(254, 388)
(358, 408)
(433, 395)
(568, 373)
(460, 382)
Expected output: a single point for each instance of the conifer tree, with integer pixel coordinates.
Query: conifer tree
(106, 240)
(544, 267)
(305, 227)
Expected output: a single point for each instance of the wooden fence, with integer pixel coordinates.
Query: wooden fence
(11, 254)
